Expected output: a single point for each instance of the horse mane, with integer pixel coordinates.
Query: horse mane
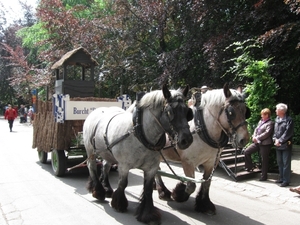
(131, 107)
(156, 99)
(217, 97)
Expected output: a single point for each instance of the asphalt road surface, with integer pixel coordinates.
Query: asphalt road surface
(31, 195)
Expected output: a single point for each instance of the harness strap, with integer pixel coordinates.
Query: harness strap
(201, 130)
(109, 146)
(174, 148)
(140, 135)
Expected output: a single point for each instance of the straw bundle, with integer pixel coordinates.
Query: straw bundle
(49, 135)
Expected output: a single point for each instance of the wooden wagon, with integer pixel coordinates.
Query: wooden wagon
(58, 123)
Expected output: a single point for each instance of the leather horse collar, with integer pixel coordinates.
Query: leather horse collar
(201, 130)
(139, 131)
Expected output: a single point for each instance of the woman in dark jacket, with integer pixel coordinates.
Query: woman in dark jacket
(283, 135)
(262, 142)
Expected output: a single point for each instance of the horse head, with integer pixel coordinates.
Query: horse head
(175, 116)
(236, 112)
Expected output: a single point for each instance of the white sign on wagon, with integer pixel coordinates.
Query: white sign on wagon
(79, 110)
(64, 109)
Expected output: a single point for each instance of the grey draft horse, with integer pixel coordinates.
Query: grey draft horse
(133, 140)
(221, 115)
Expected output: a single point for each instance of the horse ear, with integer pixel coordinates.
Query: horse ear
(245, 93)
(240, 88)
(166, 92)
(186, 90)
(226, 90)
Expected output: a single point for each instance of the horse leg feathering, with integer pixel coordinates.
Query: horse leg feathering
(146, 212)
(94, 185)
(119, 201)
(203, 203)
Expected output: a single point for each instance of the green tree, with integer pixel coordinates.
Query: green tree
(261, 87)
(146, 43)
(16, 73)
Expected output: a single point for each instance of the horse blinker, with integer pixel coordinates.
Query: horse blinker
(248, 113)
(190, 114)
(230, 113)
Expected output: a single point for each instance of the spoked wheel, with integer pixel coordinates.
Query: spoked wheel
(58, 161)
(43, 156)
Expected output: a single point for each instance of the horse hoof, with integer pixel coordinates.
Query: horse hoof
(165, 196)
(180, 197)
(179, 194)
(119, 201)
(206, 207)
(148, 216)
(210, 213)
(109, 193)
(98, 196)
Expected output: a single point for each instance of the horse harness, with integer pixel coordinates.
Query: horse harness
(201, 129)
(138, 129)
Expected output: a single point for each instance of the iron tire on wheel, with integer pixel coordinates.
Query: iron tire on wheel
(43, 156)
(58, 161)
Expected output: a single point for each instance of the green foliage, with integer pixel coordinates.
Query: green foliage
(261, 88)
(34, 39)
(33, 35)
(146, 43)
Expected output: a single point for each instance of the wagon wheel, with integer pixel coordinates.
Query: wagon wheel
(58, 160)
(43, 156)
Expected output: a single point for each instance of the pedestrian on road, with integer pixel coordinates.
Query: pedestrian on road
(283, 135)
(262, 143)
(10, 115)
(23, 113)
(30, 114)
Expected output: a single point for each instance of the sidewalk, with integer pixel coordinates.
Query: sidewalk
(264, 189)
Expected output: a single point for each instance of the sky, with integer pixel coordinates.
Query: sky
(13, 8)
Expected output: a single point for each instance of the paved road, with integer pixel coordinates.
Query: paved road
(30, 194)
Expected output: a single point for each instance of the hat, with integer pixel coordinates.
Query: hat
(203, 87)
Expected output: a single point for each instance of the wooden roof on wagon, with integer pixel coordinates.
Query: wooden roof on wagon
(79, 57)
